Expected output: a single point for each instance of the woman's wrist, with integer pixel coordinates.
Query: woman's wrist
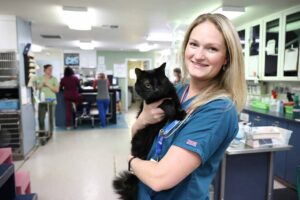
(130, 163)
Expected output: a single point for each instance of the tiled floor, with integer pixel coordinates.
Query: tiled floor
(79, 164)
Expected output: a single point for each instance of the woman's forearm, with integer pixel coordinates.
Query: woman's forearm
(147, 172)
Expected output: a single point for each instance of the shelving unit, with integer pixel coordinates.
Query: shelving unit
(10, 113)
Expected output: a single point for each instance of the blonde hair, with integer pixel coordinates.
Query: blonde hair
(230, 82)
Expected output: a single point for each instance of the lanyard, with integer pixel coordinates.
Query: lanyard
(164, 132)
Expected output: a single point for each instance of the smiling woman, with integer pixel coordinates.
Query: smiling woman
(212, 57)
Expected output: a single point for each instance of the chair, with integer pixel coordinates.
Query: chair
(5, 155)
(22, 178)
(22, 183)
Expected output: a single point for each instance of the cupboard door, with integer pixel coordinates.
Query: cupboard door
(271, 48)
(291, 63)
(252, 65)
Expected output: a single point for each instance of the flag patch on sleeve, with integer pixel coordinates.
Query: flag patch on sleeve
(191, 142)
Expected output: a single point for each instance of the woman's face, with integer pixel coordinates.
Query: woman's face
(205, 53)
(48, 71)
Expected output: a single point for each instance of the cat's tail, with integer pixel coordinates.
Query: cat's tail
(126, 185)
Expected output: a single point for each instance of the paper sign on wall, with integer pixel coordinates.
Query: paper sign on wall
(120, 70)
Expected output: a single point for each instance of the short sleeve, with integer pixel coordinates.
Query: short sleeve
(55, 82)
(211, 128)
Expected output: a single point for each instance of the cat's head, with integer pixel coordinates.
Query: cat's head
(152, 85)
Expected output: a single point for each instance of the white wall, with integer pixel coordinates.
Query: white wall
(88, 58)
(8, 30)
(53, 57)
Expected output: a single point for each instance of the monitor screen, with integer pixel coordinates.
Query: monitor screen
(114, 81)
(71, 59)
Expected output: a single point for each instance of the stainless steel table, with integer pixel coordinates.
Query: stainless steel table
(254, 161)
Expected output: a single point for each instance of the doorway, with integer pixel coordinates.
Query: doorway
(133, 63)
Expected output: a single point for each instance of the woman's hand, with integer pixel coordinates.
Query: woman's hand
(150, 114)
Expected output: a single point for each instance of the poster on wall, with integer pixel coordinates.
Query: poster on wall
(101, 60)
(120, 70)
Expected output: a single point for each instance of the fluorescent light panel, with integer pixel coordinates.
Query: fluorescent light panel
(146, 47)
(160, 37)
(87, 45)
(230, 12)
(36, 48)
(77, 18)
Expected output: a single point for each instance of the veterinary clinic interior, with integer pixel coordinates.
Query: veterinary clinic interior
(62, 148)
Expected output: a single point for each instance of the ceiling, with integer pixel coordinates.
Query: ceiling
(135, 18)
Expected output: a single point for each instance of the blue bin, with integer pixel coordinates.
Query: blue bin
(9, 104)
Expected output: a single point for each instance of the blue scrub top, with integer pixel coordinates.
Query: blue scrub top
(207, 133)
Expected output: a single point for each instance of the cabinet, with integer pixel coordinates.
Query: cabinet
(285, 163)
(292, 157)
(291, 59)
(272, 47)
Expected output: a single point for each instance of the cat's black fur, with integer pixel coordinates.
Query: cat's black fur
(151, 85)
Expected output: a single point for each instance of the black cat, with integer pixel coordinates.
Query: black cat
(151, 85)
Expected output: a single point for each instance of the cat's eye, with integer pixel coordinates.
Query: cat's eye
(148, 85)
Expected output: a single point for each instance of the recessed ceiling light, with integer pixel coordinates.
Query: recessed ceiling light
(230, 12)
(77, 18)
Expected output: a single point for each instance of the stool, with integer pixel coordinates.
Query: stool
(22, 183)
(5, 155)
(84, 115)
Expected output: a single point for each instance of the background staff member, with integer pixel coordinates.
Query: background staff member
(70, 84)
(48, 85)
(102, 85)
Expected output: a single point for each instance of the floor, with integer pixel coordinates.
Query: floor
(80, 164)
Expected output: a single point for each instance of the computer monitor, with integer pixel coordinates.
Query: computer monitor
(114, 81)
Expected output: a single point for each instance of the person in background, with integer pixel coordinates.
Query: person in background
(177, 75)
(70, 84)
(102, 85)
(216, 92)
(48, 85)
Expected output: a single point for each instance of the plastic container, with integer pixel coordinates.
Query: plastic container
(289, 109)
(260, 105)
(9, 104)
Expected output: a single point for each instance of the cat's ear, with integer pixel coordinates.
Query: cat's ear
(162, 67)
(138, 72)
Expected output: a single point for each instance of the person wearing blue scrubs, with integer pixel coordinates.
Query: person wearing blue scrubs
(183, 162)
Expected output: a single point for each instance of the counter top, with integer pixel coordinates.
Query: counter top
(291, 117)
(244, 149)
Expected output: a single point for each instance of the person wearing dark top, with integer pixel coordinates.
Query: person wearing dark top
(70, 84)
(102, 85)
